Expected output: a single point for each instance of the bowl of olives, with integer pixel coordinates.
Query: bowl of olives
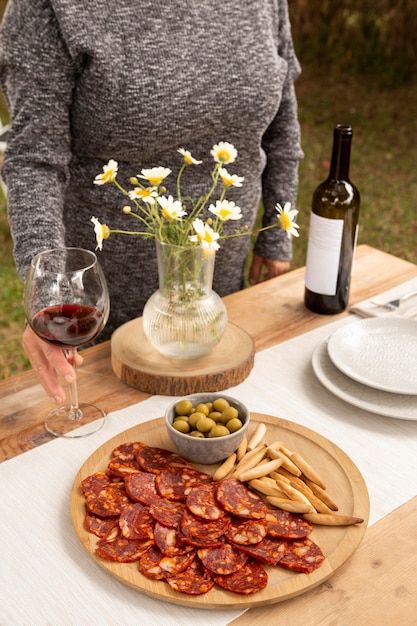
(206, 427)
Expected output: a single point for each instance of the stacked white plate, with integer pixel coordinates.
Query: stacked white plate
(372, 364)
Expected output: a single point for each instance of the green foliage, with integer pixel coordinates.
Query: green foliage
(362, 36)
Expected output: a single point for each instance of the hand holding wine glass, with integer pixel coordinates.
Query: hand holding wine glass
(67, 305)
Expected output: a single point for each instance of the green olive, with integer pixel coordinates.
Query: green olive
(234, 424)
(219, 431)
(193, 419)
(220, 404)
(183, 407)
(181, 425)
(197, 434)
(202, 408)
(229, 414)
(215, 415)
(181, 417)
(205, 424)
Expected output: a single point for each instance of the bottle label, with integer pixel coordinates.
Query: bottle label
(323, 254)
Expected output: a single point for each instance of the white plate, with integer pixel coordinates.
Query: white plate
(399, 406)
(380, 353)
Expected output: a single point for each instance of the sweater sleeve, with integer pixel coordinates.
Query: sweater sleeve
(282, 146)
(37, 77)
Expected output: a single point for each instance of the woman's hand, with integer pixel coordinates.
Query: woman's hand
(49, 362)
(263, 268)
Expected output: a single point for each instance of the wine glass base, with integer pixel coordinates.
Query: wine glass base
(59, 423)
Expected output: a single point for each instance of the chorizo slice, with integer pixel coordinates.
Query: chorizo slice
(136, 522)
(175, 483)
(95, 483)
(169, 542)
(246, 531)
(127, 451)
(223, 560)
(237, 499)
(155, 565)
(287, 525)
(109, 501)
(121, 467)
(155, 460)
(250, 578)
(149, 564)
(302, 556)
(195, 580)
(99, 526)
(115, 547)
(141, 487)
(166, 512)
(269, 550)
(193, 527)
(201, 501)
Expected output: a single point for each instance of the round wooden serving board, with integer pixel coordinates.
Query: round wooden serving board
(344, 483)
(136, 362)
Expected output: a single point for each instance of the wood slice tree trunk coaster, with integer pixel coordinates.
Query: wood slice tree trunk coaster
(136, 363)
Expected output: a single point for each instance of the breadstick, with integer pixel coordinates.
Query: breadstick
(266, 488)
(330, 519)
(299, 484)
(241, 451)
(289, 505)
(225, 468)
(305, 467)
(286, 462)
(294, 494)
(322, 495)
(263, 469)
(279, 478)
(257, 436)
(251, 459)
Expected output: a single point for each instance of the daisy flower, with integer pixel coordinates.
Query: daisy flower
(205, 235)
(145, 195)
(188, 158)
(224, 152)
(102, 232)
(155, 175)
(171, 209)
(226, 210)
(286, 217)
(230, 180)
(109, 173)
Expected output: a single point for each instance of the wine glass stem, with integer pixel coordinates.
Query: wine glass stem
(74, 411)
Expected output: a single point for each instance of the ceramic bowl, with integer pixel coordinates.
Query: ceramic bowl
(206, 450)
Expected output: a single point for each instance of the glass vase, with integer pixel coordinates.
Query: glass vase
(184, 318)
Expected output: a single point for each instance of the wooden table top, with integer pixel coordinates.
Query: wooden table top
(384, 565)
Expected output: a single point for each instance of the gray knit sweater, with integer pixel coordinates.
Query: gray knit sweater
(134, 80)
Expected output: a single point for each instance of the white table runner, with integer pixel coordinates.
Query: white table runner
(46, 576)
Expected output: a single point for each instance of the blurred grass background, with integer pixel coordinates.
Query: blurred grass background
(359, 60)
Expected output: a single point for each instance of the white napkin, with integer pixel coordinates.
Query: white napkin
(407, 308)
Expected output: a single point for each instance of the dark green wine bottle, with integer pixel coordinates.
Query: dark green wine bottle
(333, 232)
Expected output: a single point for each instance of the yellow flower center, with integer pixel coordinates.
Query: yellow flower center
(108, 176)
(223, 155)
(156, 181)
(284, 221)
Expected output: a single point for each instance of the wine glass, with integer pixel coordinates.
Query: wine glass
(67, 304)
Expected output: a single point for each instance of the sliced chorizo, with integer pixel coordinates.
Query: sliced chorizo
(250, 578)
(237, 499)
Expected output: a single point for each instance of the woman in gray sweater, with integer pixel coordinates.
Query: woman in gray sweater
(134, 80)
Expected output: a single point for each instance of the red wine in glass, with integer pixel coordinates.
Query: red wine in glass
(68, 324)
(67, 305)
